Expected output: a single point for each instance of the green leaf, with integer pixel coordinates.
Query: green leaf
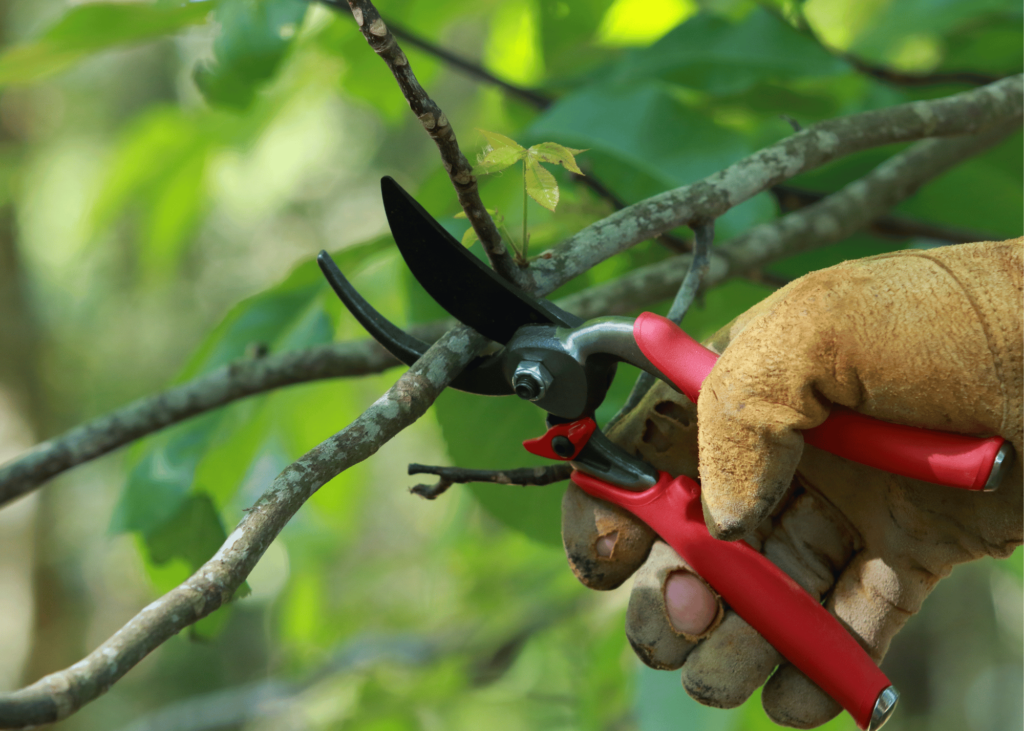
(541, 184)
(500, 153)
(643, 140)
(557, 154)
(494, 161)
(196, 518)
(255, 36)
(264, 317)
(567, 32)
(895, 23)
(716, 56)
(469, 238)
(87, 29)
(499, 141)
(159, 170)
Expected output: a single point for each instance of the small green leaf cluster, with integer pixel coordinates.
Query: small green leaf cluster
(538, 182)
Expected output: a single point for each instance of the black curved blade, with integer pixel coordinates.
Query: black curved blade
(457, 280)
(483, 375)
(396, 341)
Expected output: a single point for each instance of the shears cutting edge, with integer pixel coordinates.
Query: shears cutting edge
(565, 366)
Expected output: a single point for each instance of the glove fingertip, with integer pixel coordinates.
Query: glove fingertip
(791, 699)
(603, 543)
(743, 479)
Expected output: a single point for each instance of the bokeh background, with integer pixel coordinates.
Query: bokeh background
(169, 171)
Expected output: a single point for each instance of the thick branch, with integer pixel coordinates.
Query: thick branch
(217, 388)
(971, 112)
(58, 695)
(434, 121)
(889, 226)
(830, 220)
(223, 386)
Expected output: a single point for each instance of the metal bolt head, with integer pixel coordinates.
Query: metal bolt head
(531, 380)
(563, 447)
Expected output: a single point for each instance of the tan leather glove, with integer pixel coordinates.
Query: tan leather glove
(927, 338)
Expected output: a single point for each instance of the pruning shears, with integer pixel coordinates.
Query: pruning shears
(565, 366)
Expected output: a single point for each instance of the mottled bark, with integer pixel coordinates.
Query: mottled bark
(60, 694)
(969, 113)
(436, 124)
(828, 221)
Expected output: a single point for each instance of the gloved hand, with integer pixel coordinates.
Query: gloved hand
(927, 338)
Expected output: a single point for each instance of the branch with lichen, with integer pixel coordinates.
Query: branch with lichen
(828, 221)
(60, 694)
(434, 121)
(969, 113)
(220, 387)
(225, 385)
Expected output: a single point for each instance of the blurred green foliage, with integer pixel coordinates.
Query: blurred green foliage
(173, 161)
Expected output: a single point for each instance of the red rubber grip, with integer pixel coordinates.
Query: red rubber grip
(955, 460)
(770, 601)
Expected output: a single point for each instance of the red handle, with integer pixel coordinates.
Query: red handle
(770, 601)
(949, 459)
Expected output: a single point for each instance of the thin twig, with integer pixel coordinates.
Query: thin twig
(699, 263)
(434, 121)
(705, 235)
(876, 71)
(545, 475)
(476, 71)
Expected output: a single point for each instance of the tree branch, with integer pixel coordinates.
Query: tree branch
(891, 227)
(828, 221)
(882, 73)
(791, 199)
(970, 112)
(906, 78)
(60, 694)
(434, 121)
(220, 387)
(476, 71)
